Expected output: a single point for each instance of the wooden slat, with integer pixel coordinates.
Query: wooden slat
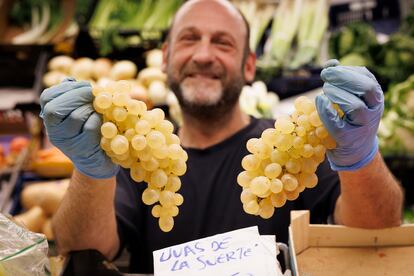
(341, 236)
(299, 224)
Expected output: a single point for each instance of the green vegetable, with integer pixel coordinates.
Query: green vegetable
(150, 17)
(312, 27)
(353, 38)
(354, 59)
(396, 130)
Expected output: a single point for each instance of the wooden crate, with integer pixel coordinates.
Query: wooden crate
(338, 250)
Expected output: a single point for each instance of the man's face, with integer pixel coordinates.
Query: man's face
(204, 58)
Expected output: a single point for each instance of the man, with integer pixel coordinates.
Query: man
(207, 60)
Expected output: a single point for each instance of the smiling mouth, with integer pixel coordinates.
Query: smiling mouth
(203, 76)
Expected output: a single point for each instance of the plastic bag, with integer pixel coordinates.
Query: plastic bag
(22, 252)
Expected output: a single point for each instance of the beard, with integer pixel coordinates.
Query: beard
(206, 92)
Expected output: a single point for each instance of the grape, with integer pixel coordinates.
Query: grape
(120, 99)
(167, 198)
(309, 180)
(173, 183)
(155, 139)
(105, 144)
(284, 142)
(279, 157)
(313, 139)
(138, 142)
(250, 162)
(293, 195)
(160, 152)
(260, 149)
(150, 165)
(260, 185)
(129, 133)
(135, 107)
(244, 179)
(178, 167)
(150, 196)
(109, 130)
(276, 185)
(174, 151)
(137, 172)
(309, 165)
(144, 154)
(266, 208)
(300, 131)
(293, 166)
(103, 100)
(284, 125)
(298, 142)
(278, 200)
(166, 223)
(159, 178)
(251, 207)
(247, 196)
(154, 116)
(314, 119)
(119, 114)
(290, 183)
(178, 199)
(173, 139)
(307, 151)
(142, 127)
(166, 127)
(119, 144)
(156, 211)
(268, 136)
(303, 121)
(173, 211)
(272, 170)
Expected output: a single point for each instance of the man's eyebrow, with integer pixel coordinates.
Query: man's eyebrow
(188, 29)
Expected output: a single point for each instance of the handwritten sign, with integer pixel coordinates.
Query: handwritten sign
(241, 252)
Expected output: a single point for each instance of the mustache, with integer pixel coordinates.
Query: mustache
(208, 70)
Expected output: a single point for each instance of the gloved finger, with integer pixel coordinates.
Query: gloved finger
(59, 108)
(354, 82)
(356, 112)
(66, 85)
(73, 124)
(328, 115)
(92, 126)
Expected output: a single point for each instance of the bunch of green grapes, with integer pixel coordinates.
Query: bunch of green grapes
(283, 161)
(143, 141)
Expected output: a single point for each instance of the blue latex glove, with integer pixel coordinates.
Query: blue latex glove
(360, 97)
(74, 127)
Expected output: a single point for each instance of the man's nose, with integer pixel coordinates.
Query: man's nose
(203, 54)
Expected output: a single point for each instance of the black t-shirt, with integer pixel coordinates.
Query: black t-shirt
(212, 201)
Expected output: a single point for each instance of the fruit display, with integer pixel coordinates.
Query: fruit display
(51, 163)
(283, 161)
(41, 201)
(9, 157)
(147, 84)
(143, 141)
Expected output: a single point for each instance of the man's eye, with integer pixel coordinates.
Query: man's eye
(223, 42)
(189, 38)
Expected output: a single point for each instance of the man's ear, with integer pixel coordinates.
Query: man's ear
(164, 56)
(249, 69)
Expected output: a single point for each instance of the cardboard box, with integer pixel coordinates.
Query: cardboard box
(338, 250)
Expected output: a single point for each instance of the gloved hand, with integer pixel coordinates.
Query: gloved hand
(74, 127)
(360, 97)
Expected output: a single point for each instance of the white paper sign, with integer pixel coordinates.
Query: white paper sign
(241, 252)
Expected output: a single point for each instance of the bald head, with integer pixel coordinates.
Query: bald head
(197, 6)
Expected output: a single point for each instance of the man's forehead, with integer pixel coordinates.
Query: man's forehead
(197, 12)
